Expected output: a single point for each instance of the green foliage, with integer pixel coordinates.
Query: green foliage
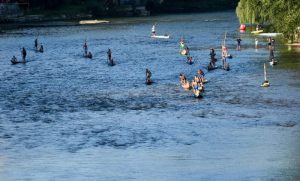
(283, 15)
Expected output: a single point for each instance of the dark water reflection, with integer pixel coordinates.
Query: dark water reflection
(63, 117)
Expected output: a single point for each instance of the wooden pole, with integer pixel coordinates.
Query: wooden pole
(265, 71)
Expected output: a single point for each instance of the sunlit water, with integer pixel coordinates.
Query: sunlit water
(63, 117)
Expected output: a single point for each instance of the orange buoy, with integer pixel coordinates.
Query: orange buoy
(243, 27)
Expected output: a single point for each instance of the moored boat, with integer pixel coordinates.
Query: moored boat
(257, 31)
(90, 22)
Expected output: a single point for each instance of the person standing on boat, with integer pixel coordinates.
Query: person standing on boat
(273, 43)
(24, 53)
(212, 53)
(238, 43)
(85, 48)
(212, 56)
(109, 54)
(148, 74)
(153, 30)
(257, 27)
(36, 43)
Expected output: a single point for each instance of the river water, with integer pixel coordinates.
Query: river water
(63, 117)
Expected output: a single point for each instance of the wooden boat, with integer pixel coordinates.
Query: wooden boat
(111, 62)
(16, 62)
(211, 67)
(39, 50)
(257, 32)
(205, 81)
(189, 61)
(148, 81)
(89, 55)
(90, 22)
(160, 36)
(226, 67)
(266, 83)
(198, 92)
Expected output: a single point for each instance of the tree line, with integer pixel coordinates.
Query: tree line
(154, 6)
(282, 15)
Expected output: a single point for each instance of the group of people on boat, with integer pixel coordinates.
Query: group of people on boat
(38, 48)
(197, 83)
(88, 54)
(14, 59)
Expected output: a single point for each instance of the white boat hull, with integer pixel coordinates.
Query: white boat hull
(270, 34)
(91, 22)
(161, 36)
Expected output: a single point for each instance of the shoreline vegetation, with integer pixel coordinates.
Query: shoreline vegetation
(59, 10)
(282, 16)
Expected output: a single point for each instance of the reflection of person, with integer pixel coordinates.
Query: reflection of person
(256, 43)
(24, 53)
(271, 54)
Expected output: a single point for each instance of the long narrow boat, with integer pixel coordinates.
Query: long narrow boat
(90, 22)
(89, 55)
(270, 34)
(16, 62)
(257, 32)
(111, 62)
(160, 36)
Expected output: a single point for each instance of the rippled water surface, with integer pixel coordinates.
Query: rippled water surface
(63, 117)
